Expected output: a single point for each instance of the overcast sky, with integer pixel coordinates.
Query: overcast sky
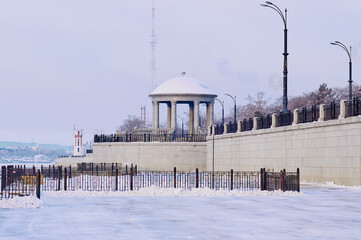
(86, 62)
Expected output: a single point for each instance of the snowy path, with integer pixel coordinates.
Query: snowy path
(320, 213)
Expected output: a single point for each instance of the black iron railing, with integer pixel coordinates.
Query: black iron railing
(309, 114)
(264, 122)
(284, 119)
(18, 181)
(150, 138)
(353, 108)
(219, 129)
(332, 111)
(247, 125)
(232, 127)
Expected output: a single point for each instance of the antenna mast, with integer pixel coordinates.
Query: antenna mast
(153, 43)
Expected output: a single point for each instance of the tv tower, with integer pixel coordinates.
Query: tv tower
(153, 43)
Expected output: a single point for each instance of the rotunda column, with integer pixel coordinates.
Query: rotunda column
(196, 116)
(169, 115)
(210, 116)
(174, 114)
(155, 114)
(191, 117)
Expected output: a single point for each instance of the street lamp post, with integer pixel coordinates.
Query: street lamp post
(285, 53)
(337, 43)
(235, 106)
(182, 125)
(222, 103)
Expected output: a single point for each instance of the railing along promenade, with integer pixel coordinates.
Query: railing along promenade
(150, 137)
(323, 112)
(21, 181)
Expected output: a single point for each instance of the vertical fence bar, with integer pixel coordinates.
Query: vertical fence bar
(38, 179)
(197, 178)
(3, 178)
(65, 178)
(58, 178)
(116, 179)
(175, 177)
(298, 180)
(131, 179)
(231, 179)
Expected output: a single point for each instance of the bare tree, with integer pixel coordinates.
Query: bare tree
(131, 123)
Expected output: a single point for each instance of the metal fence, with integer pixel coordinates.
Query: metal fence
(247, 125)
(264, 122)
(148, 137)
(133, 180)
(332, 111)
(18, 181)
(232, 127)
(309, 114)
(284, 119)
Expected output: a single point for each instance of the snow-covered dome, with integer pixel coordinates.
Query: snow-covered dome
(182, 85)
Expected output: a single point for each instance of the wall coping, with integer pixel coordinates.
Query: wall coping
(300, 126)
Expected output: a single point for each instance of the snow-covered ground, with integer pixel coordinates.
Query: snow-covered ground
(321, 211)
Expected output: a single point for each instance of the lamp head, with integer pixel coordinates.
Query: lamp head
(268, 2)
(333, 43)
(264, 5)
(337, 42)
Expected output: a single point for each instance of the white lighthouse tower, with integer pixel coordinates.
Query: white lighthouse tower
(78, 142)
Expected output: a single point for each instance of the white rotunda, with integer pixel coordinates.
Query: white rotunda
(183, 90)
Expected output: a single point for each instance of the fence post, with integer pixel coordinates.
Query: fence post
(34, 170)
(265, 187)
(116, 179)
(175, 177)
(322, 113)
(239, 126)
(342, 109)
(225, 126)
(96, 169)
(65, 177)
(131, 179)
(126, 169)
(281, 180)
(231, 179)
(274, 120)
(38, 179)
(3, 178)
(42, 169)
(197, 178)
(69, 171)
(295, 117)
(298, 180)
(59, 172)
(255, 123)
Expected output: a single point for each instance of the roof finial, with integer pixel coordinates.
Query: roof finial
(183, 73)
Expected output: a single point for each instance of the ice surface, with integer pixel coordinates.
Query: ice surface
(321, 212)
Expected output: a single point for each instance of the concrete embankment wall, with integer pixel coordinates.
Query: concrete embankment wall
(159, 156)
(324, 151)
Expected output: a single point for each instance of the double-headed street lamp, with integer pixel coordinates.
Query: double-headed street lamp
(337, 43)
(235, 106)
(222, 103)
(285, 53)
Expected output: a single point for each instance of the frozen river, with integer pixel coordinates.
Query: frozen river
(320, 212)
